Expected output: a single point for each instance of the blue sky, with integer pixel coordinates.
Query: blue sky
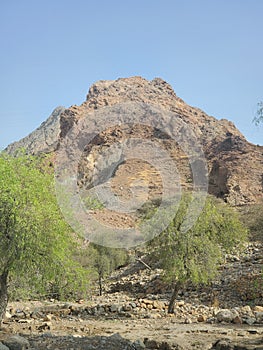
(210, 51)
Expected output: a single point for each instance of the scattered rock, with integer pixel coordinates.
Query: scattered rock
(48, 317)
(238, 345)
(225, 315)
(237, 320)
(246, 310)
(222, 345)
(201, 318)
(180, 303)
(115, 308)
(8, 315)
(259, 317)
(258, 309)
(151, 344)
(188, 320)
(250, 320)
(138, 345)
(3, 347)
(16, 342)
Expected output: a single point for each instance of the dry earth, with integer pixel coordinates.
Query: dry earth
(132, 314)
(69, 332)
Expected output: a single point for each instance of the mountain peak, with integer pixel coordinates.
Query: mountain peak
(234, 165)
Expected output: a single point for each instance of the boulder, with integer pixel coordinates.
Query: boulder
(16, 342)
(225, 315)
(3, 347)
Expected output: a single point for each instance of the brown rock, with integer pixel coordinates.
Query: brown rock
(188, 320)
(237, 320)
(202, 318)
(258, 308)
(127, 307)
(225, 315)
(246, 310)
(180, 303)
(48, 318)
(234, 165)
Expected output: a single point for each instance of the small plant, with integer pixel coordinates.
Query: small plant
(250, 287)
(93, 203)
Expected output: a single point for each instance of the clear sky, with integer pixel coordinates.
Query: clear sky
(210, 51)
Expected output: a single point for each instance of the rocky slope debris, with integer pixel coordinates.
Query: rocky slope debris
(141, 318)
(122, 306)
(239, 281)
(58, 326)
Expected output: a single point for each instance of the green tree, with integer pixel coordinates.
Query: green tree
(258, 119)
(252, 218)
(194, 256)
(105, 260)
(35, 241)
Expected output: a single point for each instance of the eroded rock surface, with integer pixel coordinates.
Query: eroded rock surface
(42, 140)
(234, 164)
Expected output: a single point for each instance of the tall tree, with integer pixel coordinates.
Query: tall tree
(106, 260)
(35, 241)
(195, 255)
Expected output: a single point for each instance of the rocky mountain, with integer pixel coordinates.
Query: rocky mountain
(44, 139)
(235, 166)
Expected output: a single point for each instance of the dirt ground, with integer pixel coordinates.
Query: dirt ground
(69, 326)
(71, 332)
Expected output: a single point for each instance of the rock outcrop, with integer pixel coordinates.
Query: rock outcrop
(42, 140)
(235, 166)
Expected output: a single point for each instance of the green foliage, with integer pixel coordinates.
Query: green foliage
(249, 287)
(252, 217)
(36, 245)
(107, 260)
(102, 261)
(93, 203)
(195, 255)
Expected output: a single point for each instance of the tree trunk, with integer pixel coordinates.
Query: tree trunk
(177, 287)
(100, 284)
(3, 295)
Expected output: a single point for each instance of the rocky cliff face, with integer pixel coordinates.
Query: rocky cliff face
(44, 139)
(235, 166)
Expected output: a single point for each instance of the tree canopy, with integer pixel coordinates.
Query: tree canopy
(103, 261)
(194, 256)
(36, 245)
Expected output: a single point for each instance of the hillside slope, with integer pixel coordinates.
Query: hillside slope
(235, 166)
